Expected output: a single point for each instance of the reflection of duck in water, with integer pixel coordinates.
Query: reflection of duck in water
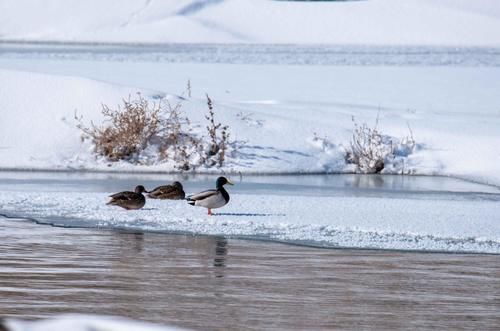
(212, 199)
(170, 192)
(220, 252)
(129, 200)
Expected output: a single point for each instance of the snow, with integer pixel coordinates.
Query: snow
(288, 127)
(289, 106)
(433, 223)
(38, 128)
(80, 322)
(384, 22)
(452, 111)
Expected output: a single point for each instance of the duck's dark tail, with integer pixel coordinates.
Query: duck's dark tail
(191, 202)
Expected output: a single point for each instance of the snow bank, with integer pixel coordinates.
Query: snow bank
(435, 223)
(37, 117)
(374, 22)
(298, 125)
(78, 322)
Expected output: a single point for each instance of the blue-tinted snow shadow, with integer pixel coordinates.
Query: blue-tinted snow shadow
(247, 214)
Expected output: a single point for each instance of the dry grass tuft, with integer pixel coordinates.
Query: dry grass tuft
(126, 131)
(218, 144)
(370, 150)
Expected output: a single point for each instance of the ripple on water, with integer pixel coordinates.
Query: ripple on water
(216, 283)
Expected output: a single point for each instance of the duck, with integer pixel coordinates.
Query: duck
(170, 192)
(211, 199)
(129, 200)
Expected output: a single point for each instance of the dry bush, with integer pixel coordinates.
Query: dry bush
(218, 135)
(147, 133)
(370, 150)
(142, 132)
(127, 130)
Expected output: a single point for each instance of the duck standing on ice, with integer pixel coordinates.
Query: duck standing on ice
(129, 200)
(212, 199)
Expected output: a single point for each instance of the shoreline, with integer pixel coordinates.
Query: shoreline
(243, 238)
(236, 173)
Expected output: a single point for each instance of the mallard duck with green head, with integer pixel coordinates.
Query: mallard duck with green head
(129, 200)
(212, 199)
(168, 192)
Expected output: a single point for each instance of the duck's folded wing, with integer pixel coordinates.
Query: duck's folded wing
(123, 196)
(203, 195)
(167, 189)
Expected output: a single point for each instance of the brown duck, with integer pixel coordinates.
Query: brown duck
(168, 192)
(129, 200)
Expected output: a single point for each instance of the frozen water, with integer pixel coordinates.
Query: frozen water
(418, 219)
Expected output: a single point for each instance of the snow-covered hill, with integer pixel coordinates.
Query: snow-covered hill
(371, 22)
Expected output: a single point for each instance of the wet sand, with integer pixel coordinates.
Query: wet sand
(210, 283)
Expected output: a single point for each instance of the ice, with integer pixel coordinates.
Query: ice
(81, 322)
(429, 224)
(288, 78)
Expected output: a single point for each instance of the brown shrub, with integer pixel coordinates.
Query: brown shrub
(141, 132)
(125, 131)
(216, 152)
